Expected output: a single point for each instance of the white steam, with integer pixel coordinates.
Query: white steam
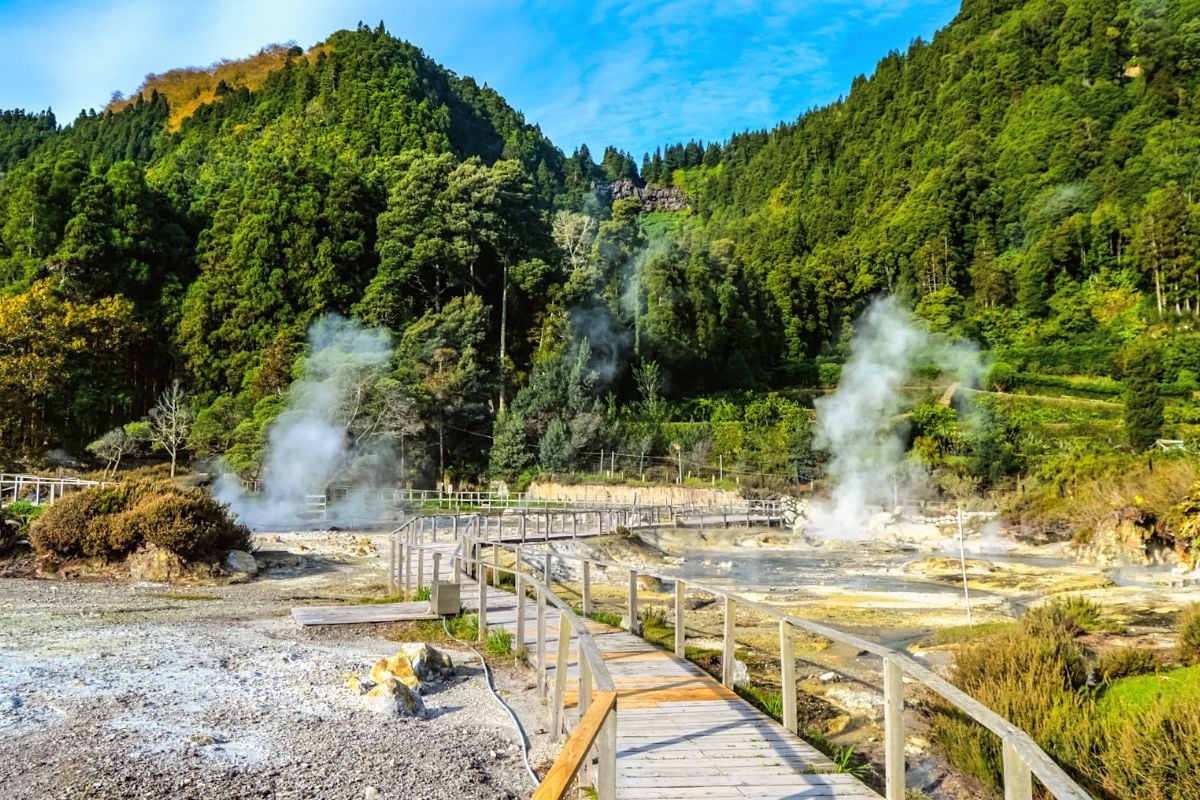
(312, 444)
(859, 425)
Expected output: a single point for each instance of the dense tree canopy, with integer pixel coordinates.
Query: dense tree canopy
(1029, 179)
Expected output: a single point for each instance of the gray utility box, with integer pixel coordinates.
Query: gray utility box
(444, 598)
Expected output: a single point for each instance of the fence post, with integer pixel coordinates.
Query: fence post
(587, 588)
(496, 565)
(462, 550)
(727, 656)
(606, 786)
(680, 632)
(632, 601)
(787, 661)
(437, 560)
(420, 569)
(482, 609)
(520, 588)
(1018, 783)
(560, 675)
(407, 548)
(541, 642)
(392, 564)
(893, 730)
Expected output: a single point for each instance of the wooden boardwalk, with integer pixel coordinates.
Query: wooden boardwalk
(680, 733)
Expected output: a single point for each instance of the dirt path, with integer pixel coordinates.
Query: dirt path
(112, 690)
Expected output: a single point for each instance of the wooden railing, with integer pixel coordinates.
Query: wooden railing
(592, 746)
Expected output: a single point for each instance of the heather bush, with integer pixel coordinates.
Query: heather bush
(1187, 647)
(1124, 662)
(112, 521)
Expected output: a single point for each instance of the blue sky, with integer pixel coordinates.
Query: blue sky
(622, 72)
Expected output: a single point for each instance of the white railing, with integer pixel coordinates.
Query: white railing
(39, 489)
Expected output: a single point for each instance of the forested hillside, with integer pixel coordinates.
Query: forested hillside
(1028, 179)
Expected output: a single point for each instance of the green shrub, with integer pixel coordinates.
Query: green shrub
(62, 529)
(191, 524)
(499, 643)
(1034, 679)
(1187, 648)
(1001, 377)
(1149, 752)
(1071, 614)
(1124, 662)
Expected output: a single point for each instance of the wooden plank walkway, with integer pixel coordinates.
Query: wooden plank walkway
(680, 733)
(353, 615)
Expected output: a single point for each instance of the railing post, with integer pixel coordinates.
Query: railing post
(496, 565)
(407, 548)
(520, 589)
(606, 784)
(587, 588)
(1018, 782)
(680, 632)
(546, 570)
(437, 560)
(787, 661)
(893, 729)
(560, 675)
(727, 655)
(482, 609)
(420, 569)
(633, 601)
(392, 564)
(541, 642)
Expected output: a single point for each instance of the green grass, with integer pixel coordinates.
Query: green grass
(499, 643)
(768, 701)
(604, 617)
(422, 593)
(964, 634)
(1130, 695)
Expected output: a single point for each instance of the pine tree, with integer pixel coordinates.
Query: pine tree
(1143, 403)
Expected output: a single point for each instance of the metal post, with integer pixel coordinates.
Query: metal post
(787, 661)
(893, 729)
(727, 656)
(680, 632)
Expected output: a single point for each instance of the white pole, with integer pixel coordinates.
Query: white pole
(962, 555)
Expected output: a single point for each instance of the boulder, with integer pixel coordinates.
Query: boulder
(428, 663)
(156, 564)
(241, 562)
(398, 667)
(698, 600)
(741, 673)
(395, 699)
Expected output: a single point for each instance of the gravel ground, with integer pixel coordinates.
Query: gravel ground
(111, 690)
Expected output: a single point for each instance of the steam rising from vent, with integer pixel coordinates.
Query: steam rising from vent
(858, 424)
(326, 433)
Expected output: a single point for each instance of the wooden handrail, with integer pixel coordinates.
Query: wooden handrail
(571, 758)
(1022, 754)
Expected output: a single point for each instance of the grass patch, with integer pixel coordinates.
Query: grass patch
(499, 643)
(1072, 614)
(1142, 692)
(422, 593)
(964, 634)
(605, 617)
(767, 701)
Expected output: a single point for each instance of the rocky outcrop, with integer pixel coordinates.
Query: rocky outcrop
(395, 684)
(652, 198)
(1127, 535)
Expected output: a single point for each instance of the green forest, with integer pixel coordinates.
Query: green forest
(1028, 180)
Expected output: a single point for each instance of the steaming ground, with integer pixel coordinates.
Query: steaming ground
(119, 691)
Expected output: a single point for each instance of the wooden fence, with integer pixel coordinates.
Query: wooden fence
(1023, 759)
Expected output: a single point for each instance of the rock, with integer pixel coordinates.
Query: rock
(698, 600)
(371, 793)
(828, 677)
(652, 198)
(649, 583)
(741, 673)
(241, 562)
(156, 564)
(399, 668)
(836, 725)
(393, 698)
(637, 625)
(1128, 535)
(428, 663)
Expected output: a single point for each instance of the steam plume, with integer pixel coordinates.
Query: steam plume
(857, 424)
